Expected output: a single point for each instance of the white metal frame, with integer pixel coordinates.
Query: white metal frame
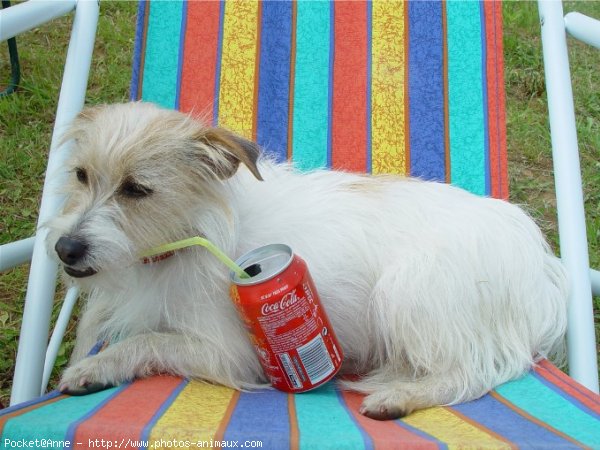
(583, 364)
(31, 356)
(34, 363)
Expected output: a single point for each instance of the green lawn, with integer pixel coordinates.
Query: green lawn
(26, 122)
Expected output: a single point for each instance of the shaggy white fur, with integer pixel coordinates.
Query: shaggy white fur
(436, 295)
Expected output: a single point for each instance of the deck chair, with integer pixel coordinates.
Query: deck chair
(410, 88)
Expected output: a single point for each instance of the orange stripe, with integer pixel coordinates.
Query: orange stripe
(533, 419)
(549, 372)
(136, 405)
(349, 108)
(294, 431)
(445, 75)
(406, 85)
(219, 435)
(384, 434)
(292, 76)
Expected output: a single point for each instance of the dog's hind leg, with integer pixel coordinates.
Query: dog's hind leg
(393, 399)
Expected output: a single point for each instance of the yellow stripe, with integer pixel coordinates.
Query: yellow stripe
(238, 66)
(387, 91)
(451, 429)
(194, 416)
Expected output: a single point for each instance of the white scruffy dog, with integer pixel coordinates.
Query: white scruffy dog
(436, 295)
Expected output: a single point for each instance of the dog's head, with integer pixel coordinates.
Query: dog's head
(139, 176)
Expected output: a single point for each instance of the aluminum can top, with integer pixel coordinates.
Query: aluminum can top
(263, 264)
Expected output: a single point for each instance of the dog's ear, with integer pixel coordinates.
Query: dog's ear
(230, 150)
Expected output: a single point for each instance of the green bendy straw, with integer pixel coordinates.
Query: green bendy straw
(197, 240)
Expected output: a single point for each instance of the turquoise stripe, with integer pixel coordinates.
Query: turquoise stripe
(162, 53)
(554, 410)
(311, 85)
(53, 421)
(324, 422)
(465, 96)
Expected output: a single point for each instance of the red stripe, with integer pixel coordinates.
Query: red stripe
(349, 108)
(496, 95)
(561, 380)
(125, 416)
(200, 62)
(384, 434)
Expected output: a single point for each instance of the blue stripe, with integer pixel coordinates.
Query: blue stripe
(137, 51)
(181, 52)
(426, 90)
(369, 87)
(502, 420)
(486, 125)
(274, 78)
(247, 422)
(218, 65)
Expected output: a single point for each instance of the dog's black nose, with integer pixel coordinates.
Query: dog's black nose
(70, 250)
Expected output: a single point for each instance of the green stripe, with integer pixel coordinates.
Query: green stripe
(162, 53)
(465, 96)
(323, 421)
(540, 401)
(311, 85)
(52, 421)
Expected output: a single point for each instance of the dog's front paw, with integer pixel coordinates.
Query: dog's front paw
(87, 376)
(386, 405)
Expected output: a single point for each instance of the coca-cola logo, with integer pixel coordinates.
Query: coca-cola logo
(286, 301)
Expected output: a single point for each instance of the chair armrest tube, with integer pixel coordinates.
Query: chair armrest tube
(15, 253)
(595, 278)
(24, 16)
(582, 355)
(584, 28)
(41, 287)
(58, 334)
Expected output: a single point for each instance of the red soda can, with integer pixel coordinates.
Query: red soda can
(287, 324)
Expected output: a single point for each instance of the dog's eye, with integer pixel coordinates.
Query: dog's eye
(81, 174)
(132, 189)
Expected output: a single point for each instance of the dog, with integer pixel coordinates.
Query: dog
(436, 295)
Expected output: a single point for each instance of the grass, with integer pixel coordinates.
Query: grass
(26, 120)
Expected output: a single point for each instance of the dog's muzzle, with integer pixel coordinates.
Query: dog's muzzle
(71, 251)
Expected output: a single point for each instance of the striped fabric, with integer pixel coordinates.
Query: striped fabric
(545, 409)
(413, 88)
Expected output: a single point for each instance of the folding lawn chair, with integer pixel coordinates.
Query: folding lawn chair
(410, 88)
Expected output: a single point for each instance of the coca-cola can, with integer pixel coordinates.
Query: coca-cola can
(286, 322)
